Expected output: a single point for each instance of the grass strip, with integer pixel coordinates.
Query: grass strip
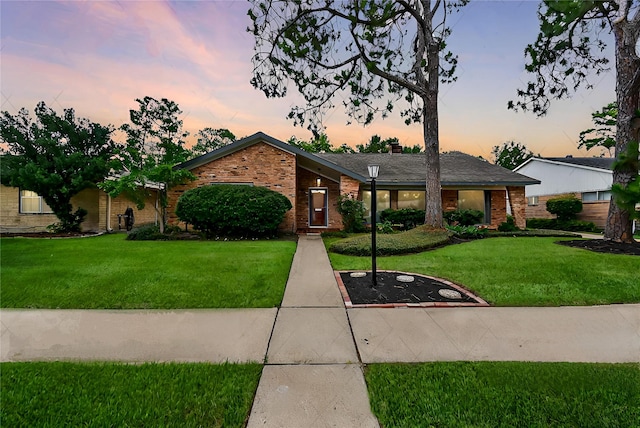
(119, 395)
(505, 394)
(109, 272)
(520, 271)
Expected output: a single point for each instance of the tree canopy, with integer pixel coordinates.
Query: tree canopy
(318, 144)
(155, 144)
(570, 46)
(56, 156)
(603, 134)
(511, 154)
(368, 54)
(209, 139)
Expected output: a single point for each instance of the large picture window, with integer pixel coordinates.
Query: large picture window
(383, 202)
(476, 200)
(411, 199)
(32, 203)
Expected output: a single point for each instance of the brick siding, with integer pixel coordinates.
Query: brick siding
(261, 164)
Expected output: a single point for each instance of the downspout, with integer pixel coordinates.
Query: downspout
(108, 213)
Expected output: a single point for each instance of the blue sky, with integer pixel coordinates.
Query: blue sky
(99, 56)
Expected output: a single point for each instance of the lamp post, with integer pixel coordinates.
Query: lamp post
(373, 174)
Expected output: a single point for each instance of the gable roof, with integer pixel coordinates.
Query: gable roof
(262, 137)
(398, 169)
(456, 169)
(603, 164)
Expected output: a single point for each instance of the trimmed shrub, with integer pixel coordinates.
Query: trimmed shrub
(464, 217)
(232, 210)
(412, 241)
(564, 207)
(352, 212)
(555, 224)
(509, 225)
(407, 217)
(147, 232)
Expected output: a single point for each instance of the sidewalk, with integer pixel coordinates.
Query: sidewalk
(313, 348)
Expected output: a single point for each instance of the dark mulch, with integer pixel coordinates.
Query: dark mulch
(603, 246)
(47, 235)
(390, 290)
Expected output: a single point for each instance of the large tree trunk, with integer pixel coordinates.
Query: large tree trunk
(619, 222)
(433, 195)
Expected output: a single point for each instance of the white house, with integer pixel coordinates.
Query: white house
(589, 179)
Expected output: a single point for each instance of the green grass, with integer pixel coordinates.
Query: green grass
(111, 272)
(520, 271)
(505, 394)
(118, 395)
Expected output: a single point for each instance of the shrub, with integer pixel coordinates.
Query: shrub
(407, 217)
(147, 232)
(232, 210)
(564, 207)
(509, 225)
(464, 217)
(385, 227)
(412, 241)
(467, 232)
(352, 212)
(555, 224)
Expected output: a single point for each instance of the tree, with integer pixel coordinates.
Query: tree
(210, 139)
(603, 134)
(56, 156)
(370, 54)
(511, 154)
(567, 49)
(319, 144)
(155, 144)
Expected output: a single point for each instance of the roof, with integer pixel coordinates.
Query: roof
(456, 168)
(600, 164)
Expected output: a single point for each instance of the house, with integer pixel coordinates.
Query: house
(589, 179)
(24, 211)
(313, 182)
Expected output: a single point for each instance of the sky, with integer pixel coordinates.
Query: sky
(99, 56)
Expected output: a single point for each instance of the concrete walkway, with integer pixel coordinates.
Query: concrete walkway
(313, 348)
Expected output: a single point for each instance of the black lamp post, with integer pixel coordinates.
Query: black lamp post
(373, 174)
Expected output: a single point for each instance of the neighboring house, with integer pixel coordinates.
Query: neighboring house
(589, 179)
(313, 182)
(23, 211)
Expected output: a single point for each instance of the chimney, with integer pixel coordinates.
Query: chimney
(395, 147)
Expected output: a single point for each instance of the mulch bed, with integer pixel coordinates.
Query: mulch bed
(603, 246)
(390, 292)
(48, 235)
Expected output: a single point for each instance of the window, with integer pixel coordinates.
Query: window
(383, 202)
(532, 201)
(602, 195)
(411, 199)
(32, 203)
(476, 200)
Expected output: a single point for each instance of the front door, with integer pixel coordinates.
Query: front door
(318, 207)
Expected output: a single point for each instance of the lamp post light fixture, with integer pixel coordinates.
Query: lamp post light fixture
(373, 174)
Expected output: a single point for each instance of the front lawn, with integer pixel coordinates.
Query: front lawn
(505, 394)
(109, 272)
(118, 395)
(520, 271)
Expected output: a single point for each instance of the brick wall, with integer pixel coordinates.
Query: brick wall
(147, 215)
(595, 212)
(349, 186)
(498, 207)
(260, 164)
(92, 200)
(518, 203)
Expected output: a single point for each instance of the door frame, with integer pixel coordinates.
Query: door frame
(326, 207)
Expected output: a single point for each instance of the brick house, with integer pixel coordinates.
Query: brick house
(313, 182)
(23, 211)
(588, 179)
